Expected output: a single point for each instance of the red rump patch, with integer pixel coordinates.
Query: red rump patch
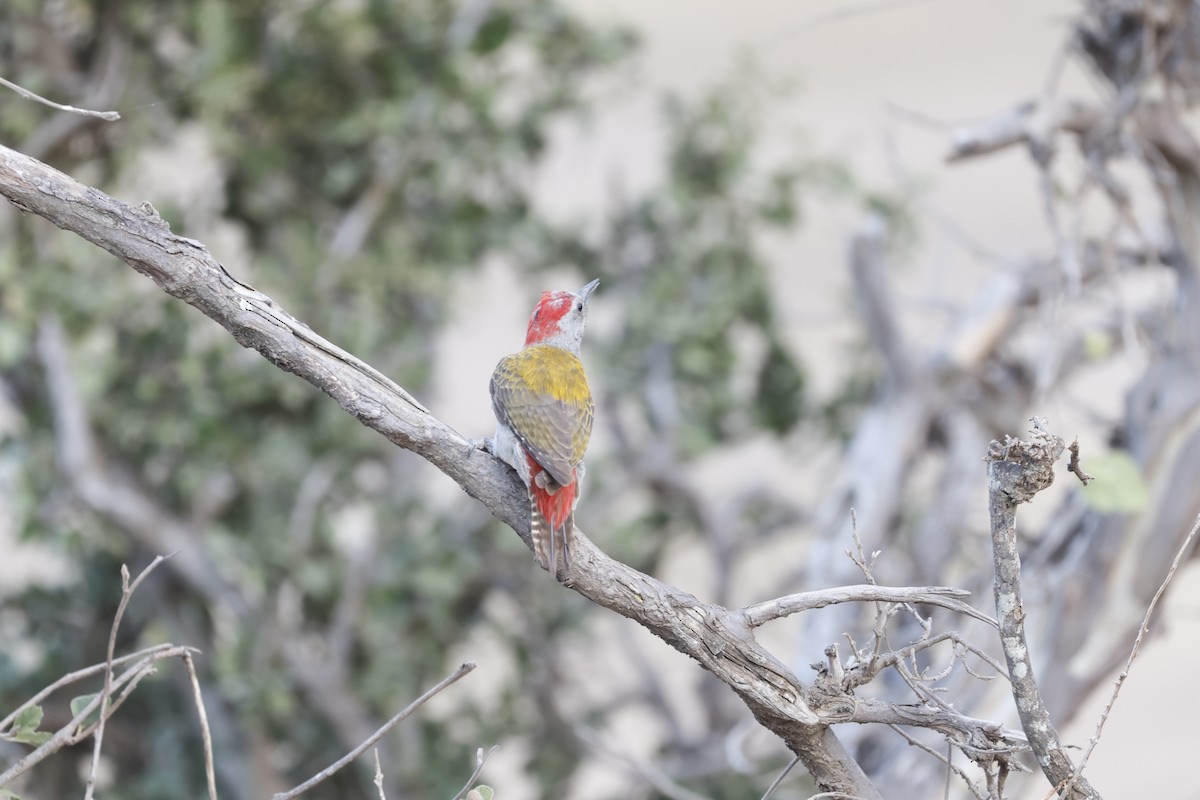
(543, 323)
(554, 508)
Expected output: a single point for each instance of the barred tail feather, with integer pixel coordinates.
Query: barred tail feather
(549, 540)
(543, 538)
(552, 520)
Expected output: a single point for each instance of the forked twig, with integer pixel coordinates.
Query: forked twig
(80, 674)
(127, 590)
(75, 730)
(480, 759)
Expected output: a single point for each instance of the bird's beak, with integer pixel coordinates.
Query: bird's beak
(586, 291)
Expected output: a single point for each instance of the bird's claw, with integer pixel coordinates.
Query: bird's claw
(484, 444)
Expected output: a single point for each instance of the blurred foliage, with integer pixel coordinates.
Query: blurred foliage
(349, 158)
(1119, 487)
(701, 346)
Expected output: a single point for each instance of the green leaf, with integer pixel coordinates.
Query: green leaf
(28, 719)
(493, 33)
(35, 738)
(81, 702)
(1097, 345)
(779, 401)
(25, 727)
(481, 792)
(1118, 487)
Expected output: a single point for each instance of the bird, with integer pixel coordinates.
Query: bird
(544, 414)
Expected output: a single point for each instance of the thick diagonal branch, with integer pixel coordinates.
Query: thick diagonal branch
(720, 640)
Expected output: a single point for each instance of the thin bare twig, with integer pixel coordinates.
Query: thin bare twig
(379, 776)
(205, 733)
(480, 759)
(1137, 646)
(72, 732)
(864, 673)
(950, 765)
(663, 783)
(110, 116)
(404, 713)
(1074, 466)
(779, 778)
(78, 675)
(127, 590)
(943, 596)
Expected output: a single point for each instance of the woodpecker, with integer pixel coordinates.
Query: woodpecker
(544, 415)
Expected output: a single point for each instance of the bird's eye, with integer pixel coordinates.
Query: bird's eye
(579, 306)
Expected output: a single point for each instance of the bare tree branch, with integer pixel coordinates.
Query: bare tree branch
(1017, 470)
(1030, 121)
(942, 596)
(717, 638)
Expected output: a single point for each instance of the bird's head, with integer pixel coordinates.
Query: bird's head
(559, 317)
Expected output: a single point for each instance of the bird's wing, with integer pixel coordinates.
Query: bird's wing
(542, 395)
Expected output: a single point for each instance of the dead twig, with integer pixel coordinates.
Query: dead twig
(942, 596)
(480, 759)
(779, 779)
(1074, 466)
(663, 783)
(205, 734)
(404, 713)
(950, 765)
(110, 116)
(127, 590)
(379, 776)
(75, 730)
(78, 675)
(1143, 629)
(1018, 470)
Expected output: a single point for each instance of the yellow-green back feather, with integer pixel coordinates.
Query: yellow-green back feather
(542, 394)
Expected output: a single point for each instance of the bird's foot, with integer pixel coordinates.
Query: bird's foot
(485, 444)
